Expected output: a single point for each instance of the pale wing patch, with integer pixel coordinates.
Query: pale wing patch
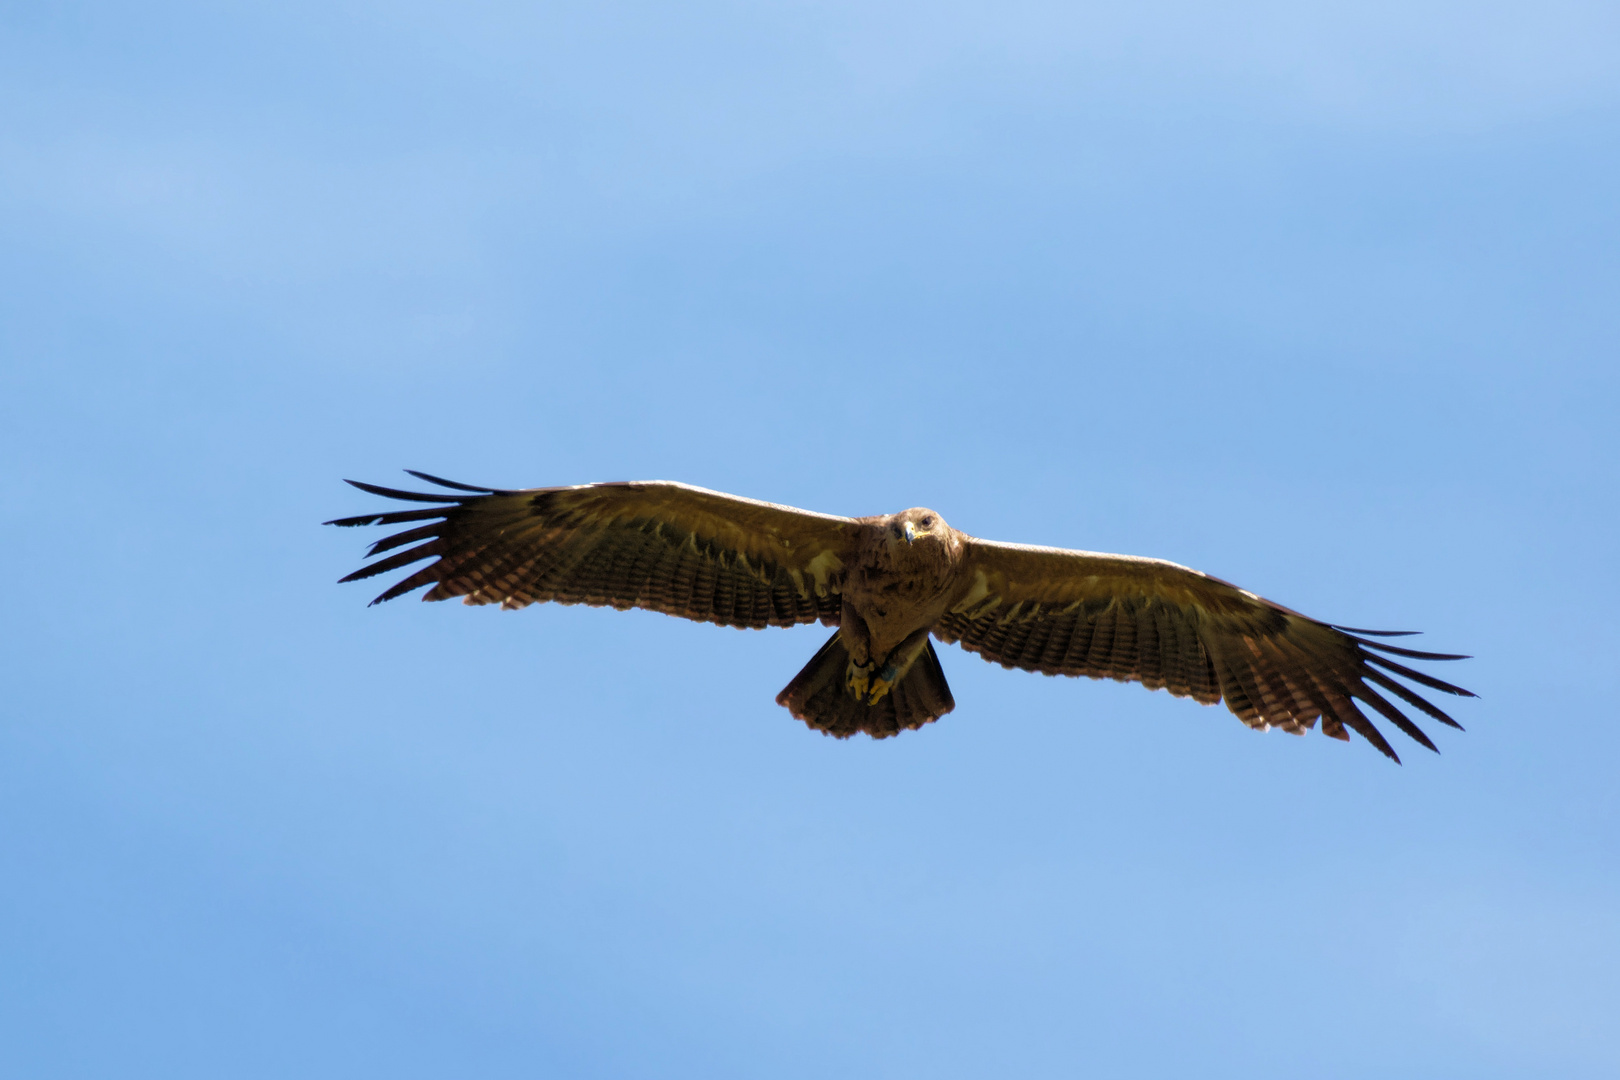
(978, 599)
(823, 566)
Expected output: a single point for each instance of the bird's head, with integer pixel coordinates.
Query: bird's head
(917, 525)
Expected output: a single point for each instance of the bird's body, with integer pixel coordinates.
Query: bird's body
(889, 583)
(905, 572)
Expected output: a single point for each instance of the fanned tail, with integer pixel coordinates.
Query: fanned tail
(817, 696)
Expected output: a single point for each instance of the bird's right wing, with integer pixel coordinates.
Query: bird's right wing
(1145, 620)
(664, 546)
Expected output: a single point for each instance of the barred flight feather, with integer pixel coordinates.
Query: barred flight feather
(573, 546)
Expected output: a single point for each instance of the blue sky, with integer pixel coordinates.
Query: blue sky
(1318, 298)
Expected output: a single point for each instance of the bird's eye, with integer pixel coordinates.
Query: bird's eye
(928, 522)
(897, 532)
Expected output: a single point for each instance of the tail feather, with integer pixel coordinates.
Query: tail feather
(818, 697)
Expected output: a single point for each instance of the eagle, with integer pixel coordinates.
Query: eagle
(889, 584)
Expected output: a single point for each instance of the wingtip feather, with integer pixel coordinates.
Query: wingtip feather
(1418, 677)
(452, 484)
(1376, 633)
(396, 493)
(1415, 654)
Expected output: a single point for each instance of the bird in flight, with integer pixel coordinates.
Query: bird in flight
(888, 583)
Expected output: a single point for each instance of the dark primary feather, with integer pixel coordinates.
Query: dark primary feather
(453, 485)
(1413, 653)
(1378, 633)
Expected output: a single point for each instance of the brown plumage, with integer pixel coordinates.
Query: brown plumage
(888, 583)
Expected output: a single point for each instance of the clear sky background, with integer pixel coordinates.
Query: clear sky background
(1321, 298)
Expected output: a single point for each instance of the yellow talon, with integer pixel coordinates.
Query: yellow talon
(859, 679)
(866, 686)
(883, 683)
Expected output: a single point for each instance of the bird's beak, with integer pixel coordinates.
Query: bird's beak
(911, 532)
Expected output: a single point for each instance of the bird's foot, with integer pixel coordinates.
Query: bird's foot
(882, 684)
(858, 679)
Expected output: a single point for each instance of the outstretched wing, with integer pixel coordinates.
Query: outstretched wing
(668, 547)
(1165, 626)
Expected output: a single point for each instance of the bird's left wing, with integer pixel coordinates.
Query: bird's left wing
(664, 546)
(1144, 620)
